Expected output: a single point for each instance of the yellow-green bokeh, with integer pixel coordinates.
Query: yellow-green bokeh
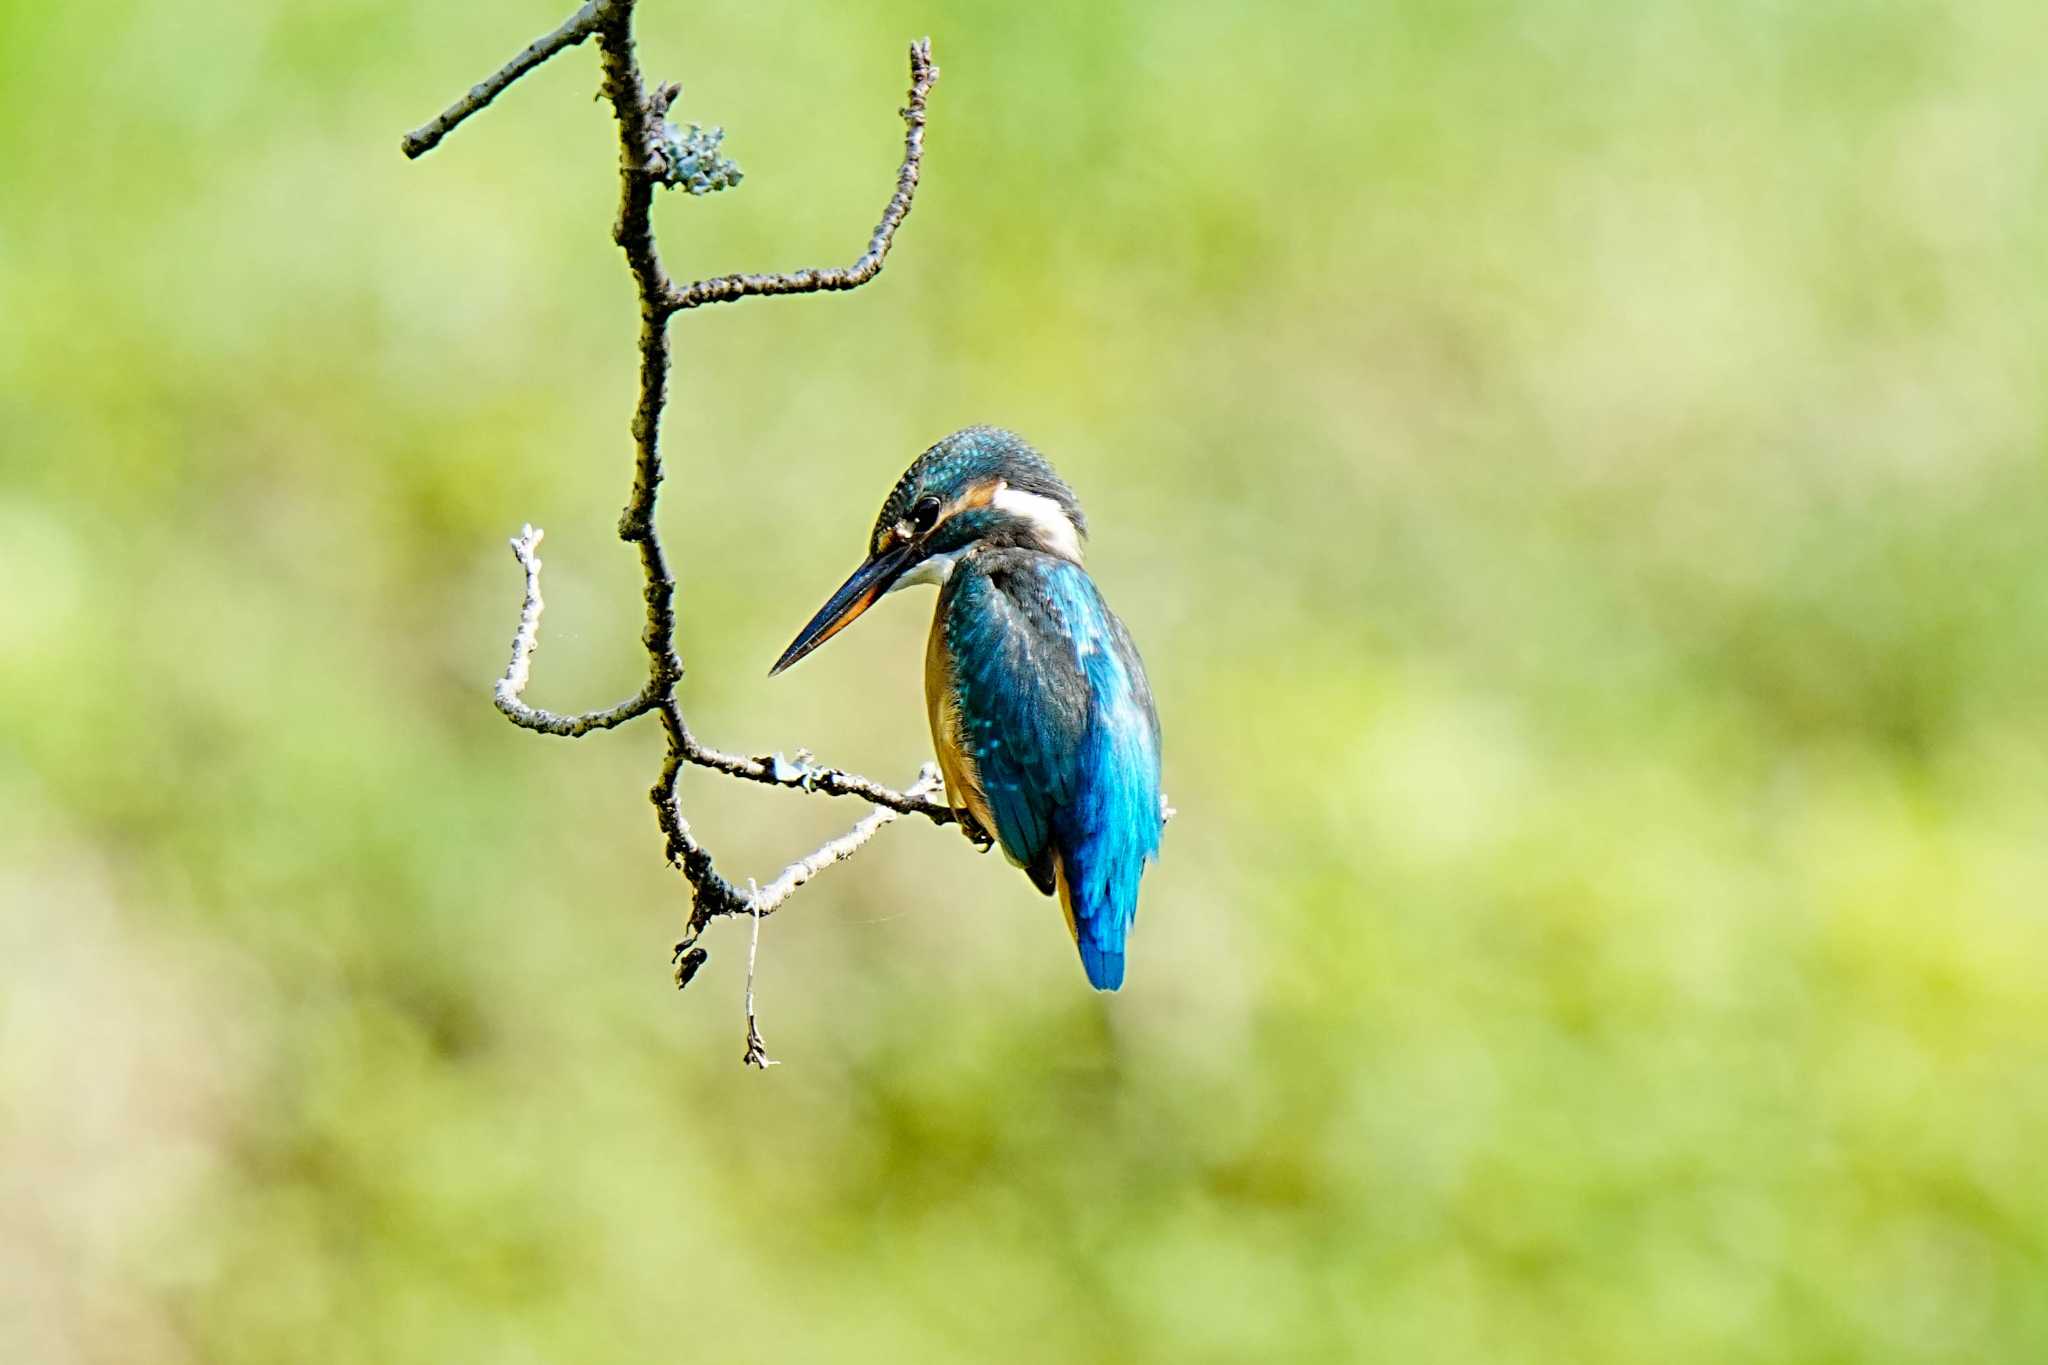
(1576, 472)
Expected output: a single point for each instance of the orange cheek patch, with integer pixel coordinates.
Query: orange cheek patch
(981, 495)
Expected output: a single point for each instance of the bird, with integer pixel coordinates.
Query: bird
(1041, 713)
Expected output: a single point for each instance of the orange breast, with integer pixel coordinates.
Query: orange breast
(963, 778)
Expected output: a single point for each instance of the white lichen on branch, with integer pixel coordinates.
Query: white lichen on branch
(692, 160)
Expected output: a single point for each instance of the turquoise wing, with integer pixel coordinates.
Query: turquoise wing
(1057, 716)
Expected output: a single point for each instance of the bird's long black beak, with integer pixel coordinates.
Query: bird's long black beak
(855, 596)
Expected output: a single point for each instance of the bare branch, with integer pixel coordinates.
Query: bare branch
(644, 152)
(711, 894)
(574, 30)
(730, 288)
(801, 773)
(525, 640)
(767, 901)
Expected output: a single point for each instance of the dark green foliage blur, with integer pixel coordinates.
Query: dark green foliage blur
(1578, 472)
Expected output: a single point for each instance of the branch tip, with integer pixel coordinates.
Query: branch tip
(572, 31)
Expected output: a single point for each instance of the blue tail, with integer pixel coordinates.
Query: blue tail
(1111, 829)
(1099, 891)
(1104, 965)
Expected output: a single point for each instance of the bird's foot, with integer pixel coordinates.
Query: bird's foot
(982, 840)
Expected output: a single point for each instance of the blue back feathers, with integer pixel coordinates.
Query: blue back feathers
(1058, 718)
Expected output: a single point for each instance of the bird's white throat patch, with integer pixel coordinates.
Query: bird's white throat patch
(934, 569)
(1055, 529)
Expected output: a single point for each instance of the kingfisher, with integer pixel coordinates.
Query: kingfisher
(1039, 706)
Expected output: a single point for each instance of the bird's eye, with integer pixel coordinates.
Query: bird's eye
(924, 515)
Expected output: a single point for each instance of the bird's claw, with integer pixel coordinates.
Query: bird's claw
(982, 840)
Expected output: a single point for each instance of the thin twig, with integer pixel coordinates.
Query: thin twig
(574, 30)
(717, 897)
(801, 773)
(757, 1051)
(768, 900)
(512, 687)
(729, 288)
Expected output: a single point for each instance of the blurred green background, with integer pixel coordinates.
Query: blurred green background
(1576, 471)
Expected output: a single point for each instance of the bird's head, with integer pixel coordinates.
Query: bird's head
(981, 486)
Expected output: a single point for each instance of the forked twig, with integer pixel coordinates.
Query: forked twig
(730, 288)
